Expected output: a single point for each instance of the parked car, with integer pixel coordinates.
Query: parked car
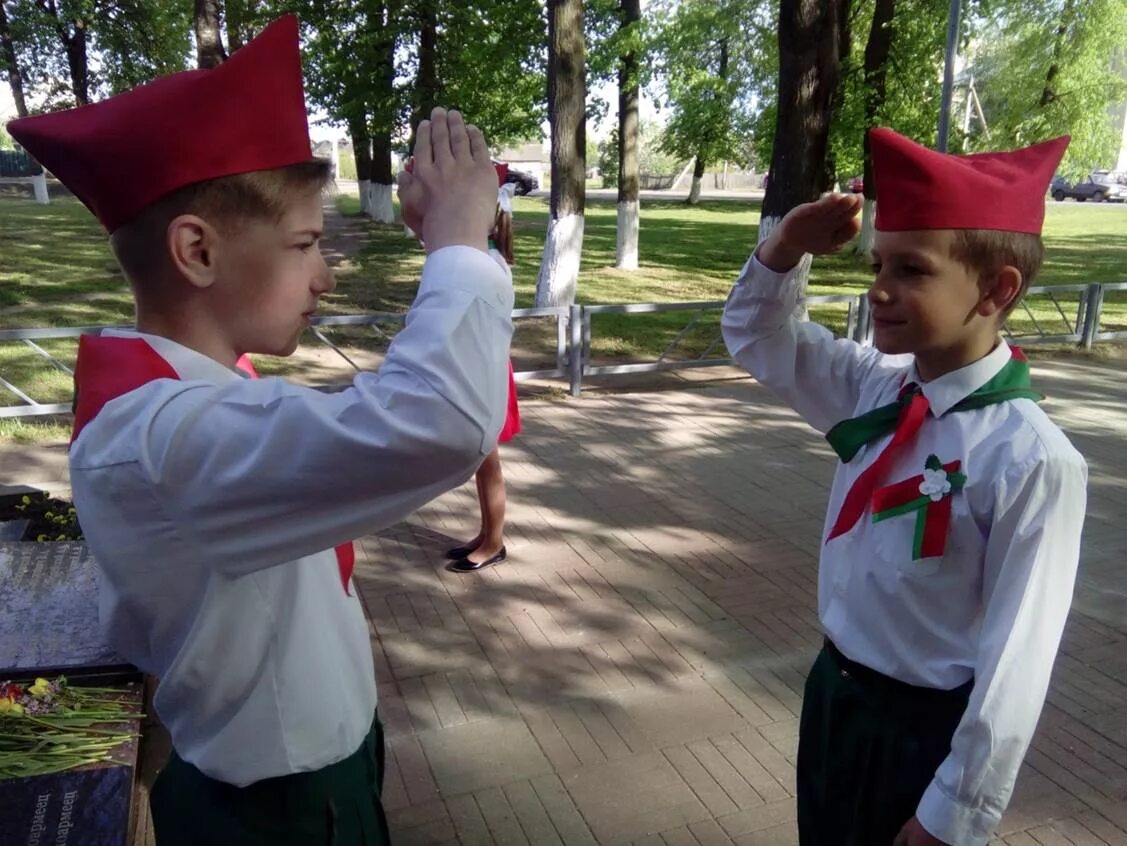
(525, 182)
(856, 185)
(1099, 186)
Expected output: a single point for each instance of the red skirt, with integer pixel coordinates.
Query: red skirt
(512, 414)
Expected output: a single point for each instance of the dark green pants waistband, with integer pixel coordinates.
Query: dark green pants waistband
(868, 747)
(337, 805)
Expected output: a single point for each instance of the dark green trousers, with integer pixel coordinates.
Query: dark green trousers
(338, 805)
(868, 747)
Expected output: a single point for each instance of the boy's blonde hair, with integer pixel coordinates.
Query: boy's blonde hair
(227, 202)
(986, 251)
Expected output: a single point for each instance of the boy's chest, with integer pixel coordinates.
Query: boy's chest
(927, 519)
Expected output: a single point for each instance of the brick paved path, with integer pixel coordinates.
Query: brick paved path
(633, 674)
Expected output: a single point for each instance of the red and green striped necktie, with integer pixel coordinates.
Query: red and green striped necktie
(904, 418)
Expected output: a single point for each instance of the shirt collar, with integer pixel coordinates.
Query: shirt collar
(951, 388)
(187, 362)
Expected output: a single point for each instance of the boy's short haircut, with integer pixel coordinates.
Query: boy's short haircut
(226, 202)
(986, 251)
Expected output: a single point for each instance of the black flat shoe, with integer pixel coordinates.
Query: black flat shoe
(464, 565)
(461, 551)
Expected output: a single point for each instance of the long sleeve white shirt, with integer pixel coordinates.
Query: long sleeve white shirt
(213, 504)
(994, 605)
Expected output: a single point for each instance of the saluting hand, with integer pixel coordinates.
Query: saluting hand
(449, 196)
(820, 227)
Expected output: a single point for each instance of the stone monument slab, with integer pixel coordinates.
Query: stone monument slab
(49, 611)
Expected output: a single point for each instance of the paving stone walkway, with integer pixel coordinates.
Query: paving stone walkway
(634, 673)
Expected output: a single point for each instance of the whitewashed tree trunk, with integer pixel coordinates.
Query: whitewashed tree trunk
(39, 183)
(868, 229)
(627, 251)
(365, 186)
(379, 203)
(694, 192)
(767, 224)
(559, 268)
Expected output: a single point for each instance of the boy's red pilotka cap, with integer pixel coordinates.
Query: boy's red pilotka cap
(919, 188)
(120, 155)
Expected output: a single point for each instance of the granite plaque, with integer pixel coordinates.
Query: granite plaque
(77, 808)
(49, 611)
(13, 530)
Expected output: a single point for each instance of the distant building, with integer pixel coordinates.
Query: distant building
(530, 157)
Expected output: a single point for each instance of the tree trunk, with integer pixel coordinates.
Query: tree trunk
(381, 208)
(877, 50)
(236, 15)
(426, 81)
(811, 41)
(72, 35)
(209, 44)
(567, 92)
(1048, 93)
(698, 175)
(626, 254)
(10, 64)
(362, 150)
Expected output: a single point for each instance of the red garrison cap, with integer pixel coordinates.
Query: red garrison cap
(120, 155)
(919, 188)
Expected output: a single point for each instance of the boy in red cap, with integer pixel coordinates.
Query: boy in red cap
(221, 508)
(953, 530)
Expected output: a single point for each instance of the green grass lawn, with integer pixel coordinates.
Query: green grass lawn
(56, 270)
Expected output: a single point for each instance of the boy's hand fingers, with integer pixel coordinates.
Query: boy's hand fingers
(478, 148)
(421, 155)
(459, 139)
(440, 138)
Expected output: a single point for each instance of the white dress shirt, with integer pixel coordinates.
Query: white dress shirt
(993, 606)
(213, 505)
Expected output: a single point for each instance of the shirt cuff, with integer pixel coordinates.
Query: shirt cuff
(470, 270)
(953, 822)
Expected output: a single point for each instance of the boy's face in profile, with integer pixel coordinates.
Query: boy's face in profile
(270, 276)
(924, 301)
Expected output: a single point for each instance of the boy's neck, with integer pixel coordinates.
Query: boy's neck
(188, 333)
(932, 364)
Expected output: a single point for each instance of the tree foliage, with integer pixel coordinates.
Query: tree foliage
(1048, 67)
(711, 57)
(74, 51)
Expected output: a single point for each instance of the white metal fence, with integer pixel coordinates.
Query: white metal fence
(1061, 314)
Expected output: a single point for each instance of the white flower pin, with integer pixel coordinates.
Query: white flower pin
(935, 485)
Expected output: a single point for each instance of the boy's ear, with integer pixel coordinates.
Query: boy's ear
(1000, 291)
(192, 243)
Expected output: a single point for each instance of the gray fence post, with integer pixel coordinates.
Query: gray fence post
(1094, 303)
(864, 320)
(561, 340)
(575, 348)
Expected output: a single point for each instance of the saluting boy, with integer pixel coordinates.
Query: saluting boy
(953, 530)
(220, 507)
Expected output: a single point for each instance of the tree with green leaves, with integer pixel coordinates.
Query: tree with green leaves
(631, 47)
(710, 50)
(1044, 68)
(209, 42)
(9, 63)
(813, 39)
(567, 92)
(888, 79)
(482, 58)
(349, 58)
(132, 41)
